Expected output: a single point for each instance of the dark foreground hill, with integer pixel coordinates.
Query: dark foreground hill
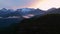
(7, 25)
(47, 24)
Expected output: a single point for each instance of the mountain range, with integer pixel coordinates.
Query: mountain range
(22, 13)
(27, 12)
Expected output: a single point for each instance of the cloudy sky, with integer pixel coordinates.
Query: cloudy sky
(42, 4)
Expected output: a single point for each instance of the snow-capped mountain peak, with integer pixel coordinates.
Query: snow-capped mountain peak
(27, 9)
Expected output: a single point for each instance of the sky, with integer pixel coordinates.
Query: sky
(41, 4)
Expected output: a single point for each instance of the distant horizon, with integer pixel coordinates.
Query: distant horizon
(29, 8)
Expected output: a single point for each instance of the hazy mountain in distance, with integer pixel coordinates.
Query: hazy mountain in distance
(20, 12)
(53, 11)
